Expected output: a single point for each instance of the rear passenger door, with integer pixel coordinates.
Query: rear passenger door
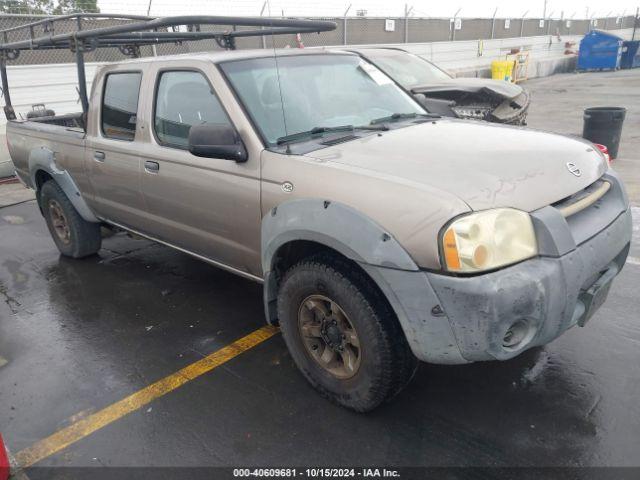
(207, 206)
(112, 166)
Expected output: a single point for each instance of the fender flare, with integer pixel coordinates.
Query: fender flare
(335, 225)
(44, 159)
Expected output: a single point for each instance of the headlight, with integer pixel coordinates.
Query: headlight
(476, 112)
(488, 240)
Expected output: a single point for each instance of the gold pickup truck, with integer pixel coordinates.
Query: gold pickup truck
(383, 234)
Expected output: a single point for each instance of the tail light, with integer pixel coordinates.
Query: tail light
(604, 150)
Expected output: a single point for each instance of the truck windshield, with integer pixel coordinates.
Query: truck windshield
(302, 92)
(407, 69)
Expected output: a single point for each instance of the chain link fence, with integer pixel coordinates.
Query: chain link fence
(349, 31)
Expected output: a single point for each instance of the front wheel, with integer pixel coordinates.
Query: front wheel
(72, 234)
(342, 335)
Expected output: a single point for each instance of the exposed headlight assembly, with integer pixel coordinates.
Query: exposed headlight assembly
(479, 112)
(488, 240)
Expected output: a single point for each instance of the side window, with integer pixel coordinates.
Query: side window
(120, 105)
(184, 99)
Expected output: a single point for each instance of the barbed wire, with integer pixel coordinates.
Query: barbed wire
(350, 30)
(329, 8)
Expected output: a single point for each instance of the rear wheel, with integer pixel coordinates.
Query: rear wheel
(342, 335)
(72, 234)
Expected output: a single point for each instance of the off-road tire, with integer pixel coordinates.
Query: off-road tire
(387, 364)
(84, 237)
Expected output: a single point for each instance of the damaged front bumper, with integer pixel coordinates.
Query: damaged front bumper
(498, 315)
(512, 111)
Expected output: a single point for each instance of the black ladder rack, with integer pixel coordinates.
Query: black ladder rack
(129, 37)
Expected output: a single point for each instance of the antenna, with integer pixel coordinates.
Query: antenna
(279, 80)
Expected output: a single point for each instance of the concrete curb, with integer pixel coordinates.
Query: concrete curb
(6, 168)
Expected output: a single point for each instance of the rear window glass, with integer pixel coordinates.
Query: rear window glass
(120, 105)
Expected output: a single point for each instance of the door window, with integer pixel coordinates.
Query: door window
(120, 105)
(183, 99)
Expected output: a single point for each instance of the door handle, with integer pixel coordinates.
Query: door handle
(99, 156)
(151, 167)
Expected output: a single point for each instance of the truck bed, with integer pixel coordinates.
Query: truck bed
(62, 135)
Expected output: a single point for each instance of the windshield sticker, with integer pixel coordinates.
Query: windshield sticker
(375, 74)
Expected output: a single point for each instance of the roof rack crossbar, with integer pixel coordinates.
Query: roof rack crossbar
(269, 26)
(129, 37)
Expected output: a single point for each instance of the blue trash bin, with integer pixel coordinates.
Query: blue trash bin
(630, 54)
(599, 51)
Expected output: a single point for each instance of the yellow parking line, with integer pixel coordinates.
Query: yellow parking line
(77, 431)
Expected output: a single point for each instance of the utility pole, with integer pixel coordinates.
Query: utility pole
(635, 24)
(344, 25)
(493, 22)
(544, 10)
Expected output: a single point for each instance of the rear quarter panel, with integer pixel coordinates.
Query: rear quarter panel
(66, 143)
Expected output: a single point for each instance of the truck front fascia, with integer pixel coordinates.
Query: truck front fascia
(362, 240)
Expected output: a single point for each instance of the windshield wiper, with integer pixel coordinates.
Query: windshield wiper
(318, 131)
(402, 116)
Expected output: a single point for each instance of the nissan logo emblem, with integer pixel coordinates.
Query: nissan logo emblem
(573, 168)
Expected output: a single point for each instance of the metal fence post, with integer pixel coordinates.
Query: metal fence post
(344, 25)
(453, 25)
(407, 12)
(493, 22)
(264, 40)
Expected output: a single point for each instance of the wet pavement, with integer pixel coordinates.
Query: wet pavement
(76, 336)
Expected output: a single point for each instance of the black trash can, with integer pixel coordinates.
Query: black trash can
(604, 125)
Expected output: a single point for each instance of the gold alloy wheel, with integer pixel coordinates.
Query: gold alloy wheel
(329, 336)
(59, 222)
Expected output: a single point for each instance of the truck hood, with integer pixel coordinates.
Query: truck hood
(472, 85)
(485, 165)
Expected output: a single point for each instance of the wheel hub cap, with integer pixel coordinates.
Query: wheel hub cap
(329, 336)
(59, 221)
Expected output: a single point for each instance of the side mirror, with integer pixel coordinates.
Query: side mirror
(216, 141)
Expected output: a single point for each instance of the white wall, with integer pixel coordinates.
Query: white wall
(53, 84)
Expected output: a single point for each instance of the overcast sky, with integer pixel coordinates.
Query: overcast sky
(428, 8)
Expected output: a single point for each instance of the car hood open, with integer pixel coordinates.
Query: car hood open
(485, 165)
(472, 85)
